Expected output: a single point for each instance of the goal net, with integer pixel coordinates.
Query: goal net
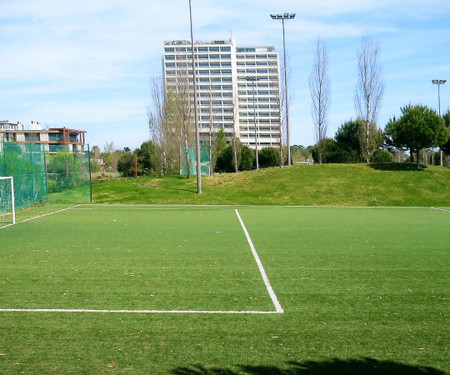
(7, 208)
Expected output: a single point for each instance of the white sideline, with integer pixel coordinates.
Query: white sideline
(439, 209)
(137, 311)
(269, 288)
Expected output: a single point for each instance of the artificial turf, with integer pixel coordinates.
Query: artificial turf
(364, 290)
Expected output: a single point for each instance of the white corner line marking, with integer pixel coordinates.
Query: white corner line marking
(279, 309)
(269, 288)
(38, 217)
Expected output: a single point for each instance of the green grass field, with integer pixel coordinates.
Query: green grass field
(364, 291)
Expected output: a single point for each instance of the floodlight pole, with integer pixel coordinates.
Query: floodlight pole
(197, 131)
(254, 79)
(439, 82)
(283, 17)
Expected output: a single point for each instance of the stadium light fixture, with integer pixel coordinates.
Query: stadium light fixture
(254, 79)
(197, 131)
(284, 17)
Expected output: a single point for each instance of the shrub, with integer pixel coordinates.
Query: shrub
(224, 162)
(382, 156)
(247, 158)
(126, 165)
(269, 157)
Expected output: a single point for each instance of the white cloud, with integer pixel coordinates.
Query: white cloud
(89, 63)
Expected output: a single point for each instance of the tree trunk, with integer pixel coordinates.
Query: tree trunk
(418, 159)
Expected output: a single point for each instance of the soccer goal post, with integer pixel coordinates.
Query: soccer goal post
(7, 206)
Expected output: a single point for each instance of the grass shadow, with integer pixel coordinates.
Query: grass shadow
(397, 167)
(366, 366)
(177, 183)
(180, 189)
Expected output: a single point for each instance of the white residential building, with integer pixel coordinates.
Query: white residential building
(235, 85)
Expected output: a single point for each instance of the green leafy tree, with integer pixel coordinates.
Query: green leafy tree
(331, 152)
(446, 146)
(148, 158)
(419, 127)
(382, 156)
(220, 144)
(247, 158)
(347, 139)
(225, 160)
(269, 157)
(126, 165)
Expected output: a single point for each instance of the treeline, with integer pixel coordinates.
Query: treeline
(416, 137)
(232, 156)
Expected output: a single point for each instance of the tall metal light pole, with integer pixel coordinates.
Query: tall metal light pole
(439, 82)
(197, 131)
(283, 17)
(254, 79)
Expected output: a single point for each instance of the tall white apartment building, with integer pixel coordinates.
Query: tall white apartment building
(235, 86)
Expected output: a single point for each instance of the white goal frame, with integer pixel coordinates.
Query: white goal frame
(13, 205)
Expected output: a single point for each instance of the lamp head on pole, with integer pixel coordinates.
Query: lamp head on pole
(438, 81)
(285, 16)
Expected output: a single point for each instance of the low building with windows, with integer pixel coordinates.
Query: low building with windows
(238, 88)
(52, 139)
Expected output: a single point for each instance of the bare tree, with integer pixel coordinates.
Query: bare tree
(369, 90)
(212, 135)
(156, 122)
(319, 86)
(184, 120)
(162, 126)
(282, 127)
(235, 142)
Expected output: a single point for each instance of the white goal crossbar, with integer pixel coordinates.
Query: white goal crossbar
(7, 204)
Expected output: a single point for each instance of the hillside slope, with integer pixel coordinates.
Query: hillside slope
(327, 184)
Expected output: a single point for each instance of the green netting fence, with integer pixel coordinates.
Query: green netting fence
(204, 162)
(46, 177)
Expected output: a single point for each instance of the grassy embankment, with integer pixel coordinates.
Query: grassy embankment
(346, 185)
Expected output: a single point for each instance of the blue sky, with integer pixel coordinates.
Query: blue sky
(89, 64)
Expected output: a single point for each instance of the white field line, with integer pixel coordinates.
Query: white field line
(136, 311)
(39, 216)
(278, 307)
(269, 288)
(193, 206)
(6, 225)
(48, 214)
(439, 209)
